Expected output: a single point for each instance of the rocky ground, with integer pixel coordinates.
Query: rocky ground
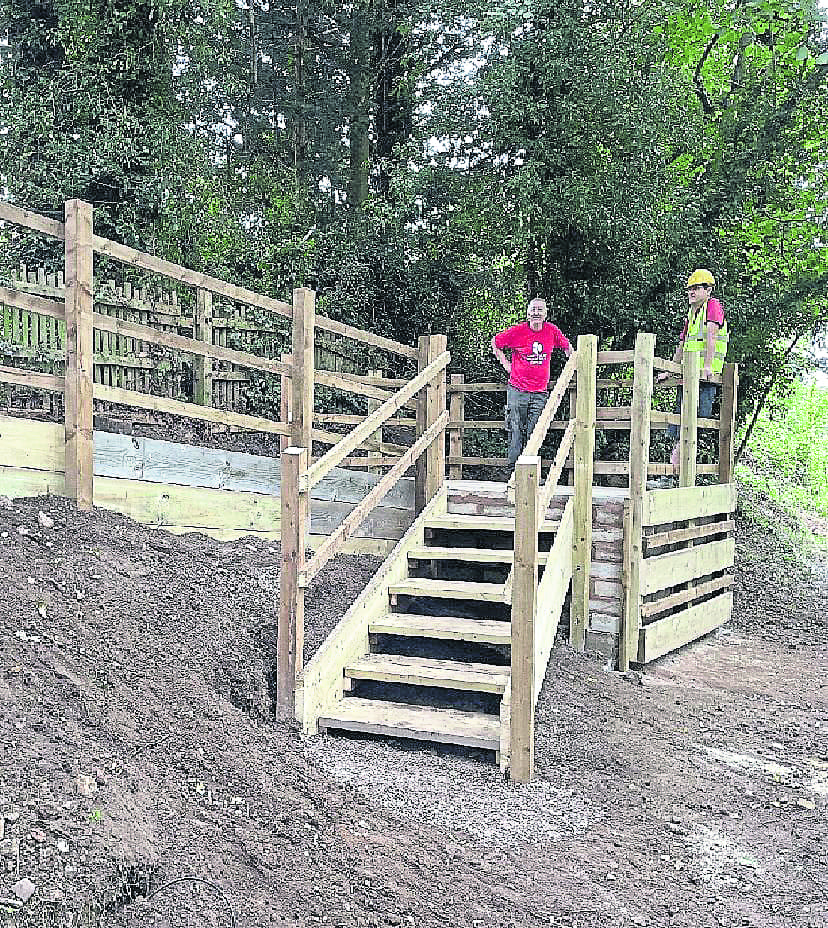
(144, 781)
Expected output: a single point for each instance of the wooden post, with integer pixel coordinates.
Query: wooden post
(80, 299)
(431, 403)
(373, 405)
(524, 601)
(304, 312)
(584, 449)
(727, 421)
(689, 418)
(285, 411)
(642, 399)
(457, 412)
(203, 366)
(291, 632)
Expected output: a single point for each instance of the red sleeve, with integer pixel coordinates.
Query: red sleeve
(715, 313)
(561, 340)
(507, 338)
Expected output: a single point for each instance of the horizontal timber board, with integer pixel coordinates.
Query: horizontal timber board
(662, 507)
(401, 720)
(667, 634)
(30, 220)
(691, 533)
(668, 570)
(683, 597)
(195, 509)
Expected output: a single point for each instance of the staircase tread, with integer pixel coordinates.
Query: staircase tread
(426, 671)
(482, 555)
(443, 626)
(377, 716)
(451, 589)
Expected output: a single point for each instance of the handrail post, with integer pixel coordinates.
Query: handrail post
(584, 450)
(457, 413)
(689, 418)
(634, 511)
(291, 631)
(285, 410)
(373, 405)
(202, 365)
(524, 602)
(431, 403)
(304, 312)
(727, 421)
(79, 301)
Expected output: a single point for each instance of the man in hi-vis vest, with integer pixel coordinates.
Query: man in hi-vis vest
(705, 331)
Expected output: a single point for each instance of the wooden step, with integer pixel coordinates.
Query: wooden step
(469, 555)
(424, 671)
(445, 627)
(399, 720)
(483, 523)
(448, 589)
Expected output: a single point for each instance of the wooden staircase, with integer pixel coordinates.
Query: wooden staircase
(424, 652)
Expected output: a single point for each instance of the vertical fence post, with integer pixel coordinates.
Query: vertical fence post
(285, 411)
(727, 421)
(202, 365)
(689, 418)
(304, 312)
(457, 412)
(431, 403)
(79, 299)
(634, 510)
(524, 601)
(377, 436)
(294, 526)
(584, 451)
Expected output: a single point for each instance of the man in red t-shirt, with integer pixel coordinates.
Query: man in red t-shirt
(531, 344)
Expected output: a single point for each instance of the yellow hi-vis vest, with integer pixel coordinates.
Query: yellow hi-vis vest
(696, 338)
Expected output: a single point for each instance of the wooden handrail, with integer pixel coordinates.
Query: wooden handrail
(551, 407)
(332, 458)
(34, 379)
(146, 333)
(30, 220)
(615, 357)
(333, 544)
(558, 465)
(35, 304)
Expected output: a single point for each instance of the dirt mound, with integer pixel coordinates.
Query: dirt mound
(143, 780)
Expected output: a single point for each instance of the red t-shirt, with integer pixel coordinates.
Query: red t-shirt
(531, 352)
(715, 313)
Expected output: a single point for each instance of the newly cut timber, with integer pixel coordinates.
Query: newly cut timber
(665, 635)
(484, 523)
(469, 555)
(30, 220)
(669, 570)
(31, 303)
(686, 596)
(663, 507)
(321, 685)
(33, 379)
(399, 720)
(444, 627)
(692, 532)
(423, 671)
(448, 589)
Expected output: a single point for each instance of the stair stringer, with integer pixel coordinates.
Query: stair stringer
(321, 684)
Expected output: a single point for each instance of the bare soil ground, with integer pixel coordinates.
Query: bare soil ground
(144, 781)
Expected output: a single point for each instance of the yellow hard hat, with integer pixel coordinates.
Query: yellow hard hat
(701, 276)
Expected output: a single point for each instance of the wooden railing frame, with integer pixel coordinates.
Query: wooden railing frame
(584, 454)
(524, 602)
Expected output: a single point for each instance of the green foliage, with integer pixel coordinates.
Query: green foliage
(788, 450)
